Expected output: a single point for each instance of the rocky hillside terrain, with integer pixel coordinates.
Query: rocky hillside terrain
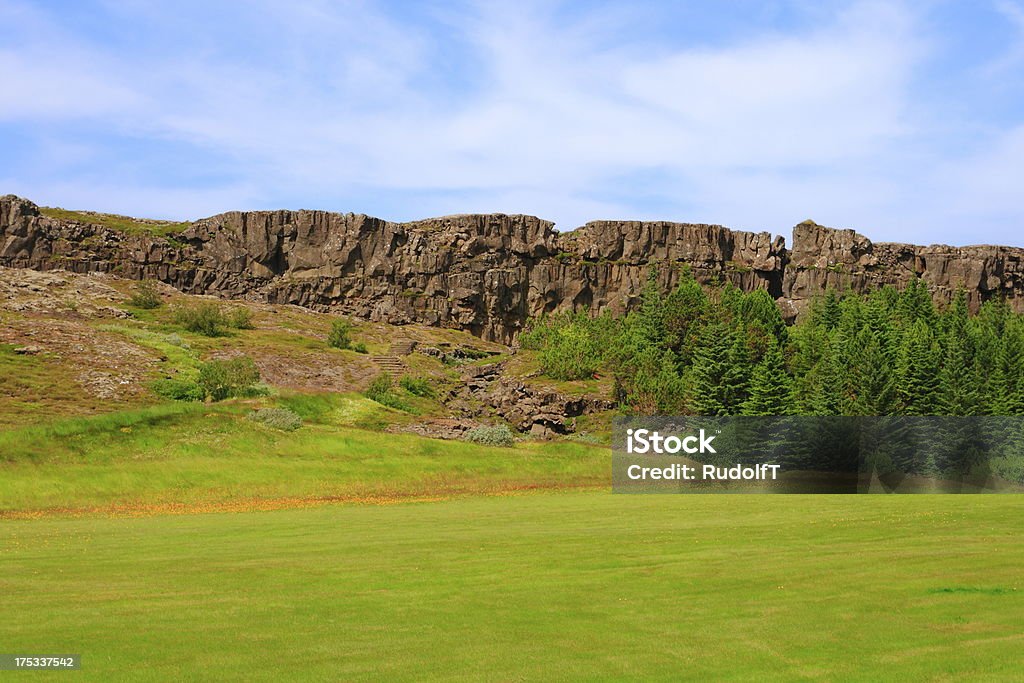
(75, 345)
(484, 274)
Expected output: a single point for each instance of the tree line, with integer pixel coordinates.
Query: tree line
(721, 351)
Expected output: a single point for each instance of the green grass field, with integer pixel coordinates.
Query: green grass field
(183, 541)
(530, 587)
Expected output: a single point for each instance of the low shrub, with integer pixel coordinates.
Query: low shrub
(340, 336)
(417, 386)
(178, 389)
(210, 319)
(359, 347)
(278, 418)
(240, 319)
(499, 435)
(145, 296)
(382, 391)
(221, 379)
(207, 319)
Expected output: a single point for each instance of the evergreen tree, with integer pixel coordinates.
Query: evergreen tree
(657, 387)
(651, 317)
(830, 312)
(916, 303)
(771, 387)
(684, 312)
(918, 381)
(715, 381)
(874, 388)
(738, 371)
(829, 395)
(958, 379)
(1006, 386)
(759, 308)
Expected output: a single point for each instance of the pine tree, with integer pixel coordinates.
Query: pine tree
(830, 312)
(958, 379)
(918, 378)
(651, 317)
(771, 387)
(829, 395)
(719, 371)
(759, 308)
(1006, 384)
(738, 371)
(684, 312)
(916, 303)
(874, 388)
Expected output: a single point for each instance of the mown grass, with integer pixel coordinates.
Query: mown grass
(198, 454)
(125, 224)
(583, 586)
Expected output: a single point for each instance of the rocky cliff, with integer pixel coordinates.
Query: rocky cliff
(488, 274)
(843, 259)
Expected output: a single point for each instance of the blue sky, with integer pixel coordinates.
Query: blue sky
(902, 120)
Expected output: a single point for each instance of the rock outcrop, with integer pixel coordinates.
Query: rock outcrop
(485, 389)
(845, 260)
(488, 274)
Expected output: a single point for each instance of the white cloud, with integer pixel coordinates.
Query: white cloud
(759, 133)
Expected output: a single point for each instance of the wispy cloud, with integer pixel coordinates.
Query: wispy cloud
(559, 110)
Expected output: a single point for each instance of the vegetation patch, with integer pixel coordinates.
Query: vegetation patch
(276, 418)
(721, 351)
(382, 391)
(212, 320)
(498, 435)
(145, 296)
(125, 224)
(178, 389)
(340, 336)
(417, 386)
(221, 379)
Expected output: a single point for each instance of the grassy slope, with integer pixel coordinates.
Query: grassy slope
(34, 388)
(531, 587)
(199, 456)
(125, 224)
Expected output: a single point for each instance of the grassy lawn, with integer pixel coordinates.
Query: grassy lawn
(530, 587)
(211, 456)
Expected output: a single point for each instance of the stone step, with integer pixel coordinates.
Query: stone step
(390, 364)
(402, 348)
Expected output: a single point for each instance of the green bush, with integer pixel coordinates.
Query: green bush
(499, 435)
(221, 379)
(278, 418)
(572, 354)
(145, 296)
(340, 336)
(359, 347)
(417, 386)
(211, 320)
(206, 318)
(240, 319)
(382, 391)
(178, 389)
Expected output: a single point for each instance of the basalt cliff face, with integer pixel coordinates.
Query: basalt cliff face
(488, 274)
